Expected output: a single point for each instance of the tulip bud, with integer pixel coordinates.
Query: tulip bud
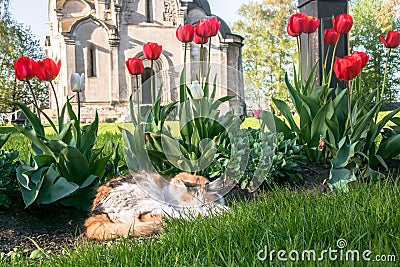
(331, 36)
(135, 66)
(363, 56)
(24, 68)
(185, 33)
(215, 24)
(196, 90)
(203, 28)
(199, 40)
(347, 68)
(152, 50)
(77, 82)
(343, 23)
(392, 39)
(47, 69)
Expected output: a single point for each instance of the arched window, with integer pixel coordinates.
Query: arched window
(146, 85)
(149, 11)
(91, 62)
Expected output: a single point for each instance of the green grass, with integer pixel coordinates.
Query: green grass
(367, 218)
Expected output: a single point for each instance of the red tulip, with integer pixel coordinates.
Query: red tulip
(331, 36)
(24, 68)
(135, 66)
(290, 32)
(185, 33)
(364, 57)
(392, 39)
(152, 50)
(297, 24)
(343, 23)
(203, 28)
(347, 68)
(311, 24)
(199, 40)
(47, 69)
(215, 25)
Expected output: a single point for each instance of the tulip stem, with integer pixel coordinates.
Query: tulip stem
(57, 106)
(151, 82)
(79, 106)
(34, 99)
(300, 72)
(332, 61)
(349, 104)
(384, 75)
(137, 99)
(326, 60)
(183, 92)
(308, 55)
(209, 53)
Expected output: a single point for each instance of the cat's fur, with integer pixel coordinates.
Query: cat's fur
(136, 204)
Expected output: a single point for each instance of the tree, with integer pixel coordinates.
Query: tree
(268, 50)
(371, 18)
(16, 40)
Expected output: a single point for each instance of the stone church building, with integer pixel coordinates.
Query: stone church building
(96, 37)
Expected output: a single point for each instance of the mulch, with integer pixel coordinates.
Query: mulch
(55, 227)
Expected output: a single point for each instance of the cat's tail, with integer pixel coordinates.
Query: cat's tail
(100, 227)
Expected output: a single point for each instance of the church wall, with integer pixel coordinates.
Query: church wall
(98, 86)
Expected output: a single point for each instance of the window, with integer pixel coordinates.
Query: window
(146, 85)
(149, 13)
(91, 64)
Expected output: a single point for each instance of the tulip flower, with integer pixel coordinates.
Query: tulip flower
(392, 39)
(152, 51)
(24, 68)
(185, 33)
(47, 69)
(135, 66)
(343, 23)
(331, 36)
(215, 24)
(297, 24)
(77, 82)
(196, 90)
(311, 24)
(199, 40)
(203, 28)
(347, 68)
(363, 56)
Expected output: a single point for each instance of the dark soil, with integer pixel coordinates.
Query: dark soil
(55, 227)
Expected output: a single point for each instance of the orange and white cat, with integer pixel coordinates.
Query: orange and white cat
(136, 204)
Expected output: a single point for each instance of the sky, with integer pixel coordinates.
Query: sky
(34, 14)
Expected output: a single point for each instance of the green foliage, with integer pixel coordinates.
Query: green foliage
(371, 18)
(201, 128)
(8, 181)
(268, 50)
(65, 169)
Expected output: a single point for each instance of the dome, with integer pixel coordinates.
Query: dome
(203, 4)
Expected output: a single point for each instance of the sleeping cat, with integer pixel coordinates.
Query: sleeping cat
(136, 204)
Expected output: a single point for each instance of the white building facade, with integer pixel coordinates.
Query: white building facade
(96, 37)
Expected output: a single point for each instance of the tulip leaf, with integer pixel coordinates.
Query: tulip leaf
(76, 165)
(340, 178)
(33, 119)
(89, 134)
(3, 139)
(389, 147)
(286, 112)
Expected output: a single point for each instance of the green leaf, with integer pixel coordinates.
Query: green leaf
(34, 138)
(3, 139)
(340, 178)
(344, 154)
(33, 119)
(287, 113)
(318, 125)
(76, 165)
(77, 127)
(98, 167)
(89, 134)
(389, 147)
(293, 94)
(54, 187)
(82, 198)
(43, 160)
(182, 87)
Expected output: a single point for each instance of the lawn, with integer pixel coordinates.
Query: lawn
(364, 219)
